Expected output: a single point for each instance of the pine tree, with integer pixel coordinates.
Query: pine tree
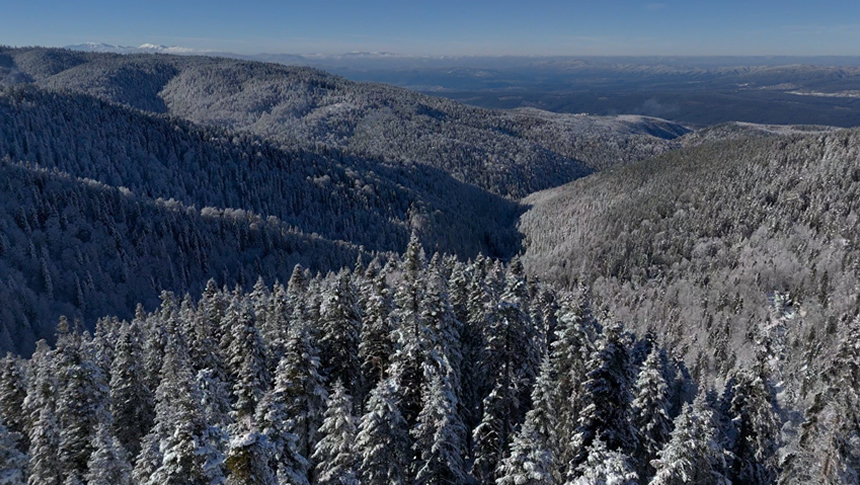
(335, 453)
(13, 463)
(108, 464)
(382, 441)
(535, 448)
(438, 436)
(649, 417)
(692, 455)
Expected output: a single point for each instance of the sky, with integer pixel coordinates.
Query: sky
(446, 27)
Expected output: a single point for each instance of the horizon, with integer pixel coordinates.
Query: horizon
(550, 28)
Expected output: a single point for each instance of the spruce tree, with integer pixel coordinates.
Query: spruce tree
(13, 462)
(383, 441)
(534, 450)
(108, 464)
(649, 417)
(438, 436)
(131, 401)
(335, 453)
(339, 341)
(692, 455)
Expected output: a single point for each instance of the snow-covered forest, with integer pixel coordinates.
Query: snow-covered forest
(396, 371)
(220, 271)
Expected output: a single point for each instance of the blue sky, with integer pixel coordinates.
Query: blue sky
(447, 27)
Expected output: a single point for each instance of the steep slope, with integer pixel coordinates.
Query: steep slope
(337, 196)
(732, 251)
(76, 247)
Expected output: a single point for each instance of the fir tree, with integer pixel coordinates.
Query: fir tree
(182, 447)
(339, 343)
(13, 463)
(606, 401)
(335, 453)
(438, 437)
(753, 428)
(108, 464)
(383, 440)
(302, 387)
(246, 359)
(13, 391)
(604, 466)
(279, 426)
(44, 461)
(131, 401)
(692, 455)
(534, 450)
(649, 417)
(375, 347)
(249, 456)
(81, 404)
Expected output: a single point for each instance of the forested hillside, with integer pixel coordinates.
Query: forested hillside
(414, 371)
(732, 251)
(506, 154)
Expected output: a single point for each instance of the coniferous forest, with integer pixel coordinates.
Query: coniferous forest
(216, 271)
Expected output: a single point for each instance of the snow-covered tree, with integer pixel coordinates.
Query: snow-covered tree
(300, 387)
(13, 391)
(13, 462)
(131, 401)
(604, 466)
(534, 450)
(383, 441)
(181, 448)
(335, 453)
(339, 341)
(438, 436)
(108, 464)
(249, 456)
(692, 455)
(649, 415)
(753, 428)
(606, 400)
